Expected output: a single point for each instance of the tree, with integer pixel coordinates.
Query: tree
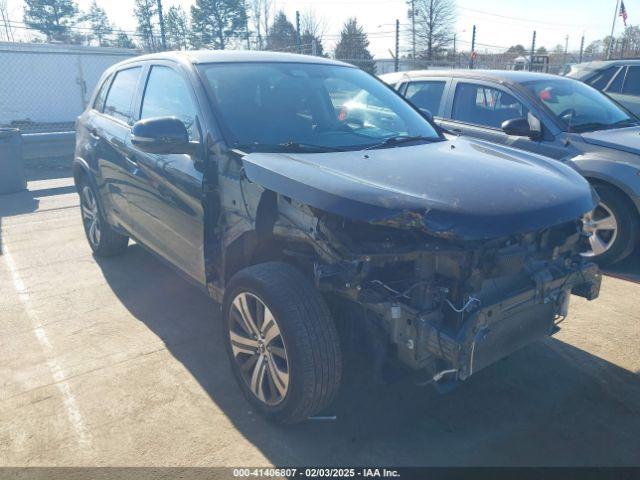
(542, 51)
(435, 21)
(145, 12)
(594, 48)
(517, 49)
(124, 41)
(282, 35)
(312, 28)
(631, 38)
(177, 27)
(215, 23)
(353, 46)
(99, 23)
(260, 13)
(51, 17)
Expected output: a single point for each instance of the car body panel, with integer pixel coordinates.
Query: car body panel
(459, 188)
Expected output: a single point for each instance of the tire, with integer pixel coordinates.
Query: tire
(285, 389)
(103, 240)
(618, 243)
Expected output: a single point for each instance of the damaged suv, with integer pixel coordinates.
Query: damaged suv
(311, 201)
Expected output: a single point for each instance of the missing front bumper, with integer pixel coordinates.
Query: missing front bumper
(495, 330)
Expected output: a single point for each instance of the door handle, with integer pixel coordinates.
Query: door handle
(456, 130)
(93, 133)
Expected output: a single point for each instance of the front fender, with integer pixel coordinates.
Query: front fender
(624, 176)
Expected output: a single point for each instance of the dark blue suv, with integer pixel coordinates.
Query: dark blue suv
(328, 216)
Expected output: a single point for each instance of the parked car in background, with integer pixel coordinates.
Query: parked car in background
(266, 180)
(620, 79)
(554, 116)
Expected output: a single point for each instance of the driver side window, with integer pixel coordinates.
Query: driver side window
(486, 106)
(167, 95)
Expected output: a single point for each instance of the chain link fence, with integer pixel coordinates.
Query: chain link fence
(43, 88)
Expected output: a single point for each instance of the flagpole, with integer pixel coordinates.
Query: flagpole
(613, 26)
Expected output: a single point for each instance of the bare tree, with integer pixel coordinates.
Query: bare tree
(4, 18)
(312, 29)
(435, 21)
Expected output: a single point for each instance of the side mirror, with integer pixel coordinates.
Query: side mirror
(426, 114)
(520, 127)
(161, 135)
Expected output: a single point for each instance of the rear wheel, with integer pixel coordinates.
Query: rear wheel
(103, 240)
(613, 227)
(282, 342)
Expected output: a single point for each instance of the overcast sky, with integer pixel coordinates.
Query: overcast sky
(500, 23)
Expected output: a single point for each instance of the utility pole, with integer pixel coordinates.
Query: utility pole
(396, 63)
(163, 37)
(566, 49)
(533, 51)
(581, 48)
(413, 28)
(298, 37)
(454, 44)
(473, 48)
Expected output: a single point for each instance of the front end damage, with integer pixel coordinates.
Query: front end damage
(446, 307)
(450, 263)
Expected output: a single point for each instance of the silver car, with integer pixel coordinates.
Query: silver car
(554, 116)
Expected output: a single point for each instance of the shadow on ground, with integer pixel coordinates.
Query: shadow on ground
(549, 404)
(627, 269)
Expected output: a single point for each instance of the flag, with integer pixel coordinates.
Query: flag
(623, 13)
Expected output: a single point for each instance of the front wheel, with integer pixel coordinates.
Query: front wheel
(281, 341)
(612, 227)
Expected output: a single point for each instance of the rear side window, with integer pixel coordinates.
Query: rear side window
(167, 95)
(602, 78)
(632, 82)
(120, 96)
(99, 101)
(427, 95)
(616, 84)
(486, 106)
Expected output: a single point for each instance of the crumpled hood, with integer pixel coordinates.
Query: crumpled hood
(466, 189)
(623, 139)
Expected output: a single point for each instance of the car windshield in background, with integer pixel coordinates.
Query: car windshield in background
(579, 107)
(276, 107)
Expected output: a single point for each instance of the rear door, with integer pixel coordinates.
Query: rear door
(165, 197)
(111, 128)
(478, 109)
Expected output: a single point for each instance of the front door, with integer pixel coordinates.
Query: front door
(478, 110)
(166, 197)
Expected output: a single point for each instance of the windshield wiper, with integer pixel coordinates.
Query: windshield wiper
(627, 122)
(400, 139)
(292, 145)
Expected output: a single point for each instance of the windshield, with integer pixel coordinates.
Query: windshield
(273, 107)
(579, 107)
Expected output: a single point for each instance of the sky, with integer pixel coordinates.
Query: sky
(500, 23)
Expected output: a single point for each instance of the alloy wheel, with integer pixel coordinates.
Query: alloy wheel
(90, 216)
(602, 227)
(258, 348)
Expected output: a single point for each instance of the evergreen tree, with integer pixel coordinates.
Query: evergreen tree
(311, 44)
(124, 41)
(146, 12)
(353, 46)
(216, 23)
(282, 36)
(177, 27)
(51, 17)
(99, 22)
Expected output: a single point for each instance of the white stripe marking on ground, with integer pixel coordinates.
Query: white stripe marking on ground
(59, 376)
